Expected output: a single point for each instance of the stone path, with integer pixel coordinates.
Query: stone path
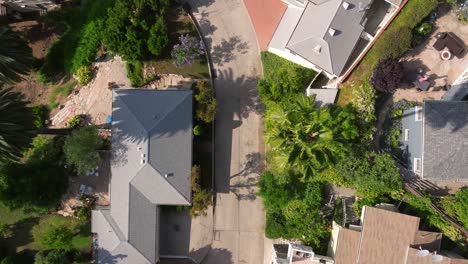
(94, 99)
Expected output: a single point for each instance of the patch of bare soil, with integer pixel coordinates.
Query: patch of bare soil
(40, 36)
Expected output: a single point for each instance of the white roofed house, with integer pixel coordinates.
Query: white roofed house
(150, 168)
(329, 35)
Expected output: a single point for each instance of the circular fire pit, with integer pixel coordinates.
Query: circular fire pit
(445, 55)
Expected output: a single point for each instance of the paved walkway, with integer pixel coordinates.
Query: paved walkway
(239, 215)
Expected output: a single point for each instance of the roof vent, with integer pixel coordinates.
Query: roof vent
(345, 5)
(332, 32)
(422, 252)
(168, 175)
(318, 48)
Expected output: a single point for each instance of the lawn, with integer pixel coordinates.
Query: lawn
(393, 42)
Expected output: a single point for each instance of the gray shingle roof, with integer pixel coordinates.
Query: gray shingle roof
(151, 163)
(445, 151)
(312, 41)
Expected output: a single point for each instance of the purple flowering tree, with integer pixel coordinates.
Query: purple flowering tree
(189, 49)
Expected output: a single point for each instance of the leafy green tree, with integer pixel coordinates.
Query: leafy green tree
(51, 257)
(457, 206)
(282, 86)
(15, 56)
(136, 27)
(158, 37)
(40, 180)
(372, 175)
(205, 102)
(306, 140)
(53, 237)
(81, 148)
(16, 124)
(293, 209)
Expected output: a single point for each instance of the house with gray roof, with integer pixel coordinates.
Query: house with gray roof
(150, 168)
(324, 34)
(435, 140)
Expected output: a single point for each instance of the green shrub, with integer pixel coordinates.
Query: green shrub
(198, 130)
(205, 102)
(135, 73)
(83, 74)
(424, 29)
(201, 198)
(88, 45)
(158, 37)
(81, 149)
(52, 257)
(40, 115)
(457, 206)
(74, 122)
(282, 79)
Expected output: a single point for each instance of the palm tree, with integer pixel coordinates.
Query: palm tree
(16, 125)
(306, 139)
(15, 56)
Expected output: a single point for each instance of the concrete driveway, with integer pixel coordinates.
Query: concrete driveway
(239, 216)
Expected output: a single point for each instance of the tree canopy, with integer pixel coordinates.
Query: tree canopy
(38, 181)
(15, 56)
(135, 28)
(387, 75)
(205, 102)
(293, 209)
(16, 124)
(305, 139)
(81, 149)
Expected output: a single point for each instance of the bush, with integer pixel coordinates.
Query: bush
(387, 75)
(81, 149)
(201, 198)
(456, 206)
(74, 122)
(87, 47)
(373, 175)
(282, 79)
(198, 130)
(158, 37)
(205, 102)
(83, 74)
(424, 29)
(40, 115)
(135, 73)
(52, 257)
(189, 49)
(284, 85)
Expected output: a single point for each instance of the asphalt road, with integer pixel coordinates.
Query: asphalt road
(239, 216)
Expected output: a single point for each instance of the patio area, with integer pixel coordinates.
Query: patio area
(425, 58)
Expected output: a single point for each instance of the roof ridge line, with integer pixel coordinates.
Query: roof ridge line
(131, 113)
(333, 19)
(161, 175)
(166, 114)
